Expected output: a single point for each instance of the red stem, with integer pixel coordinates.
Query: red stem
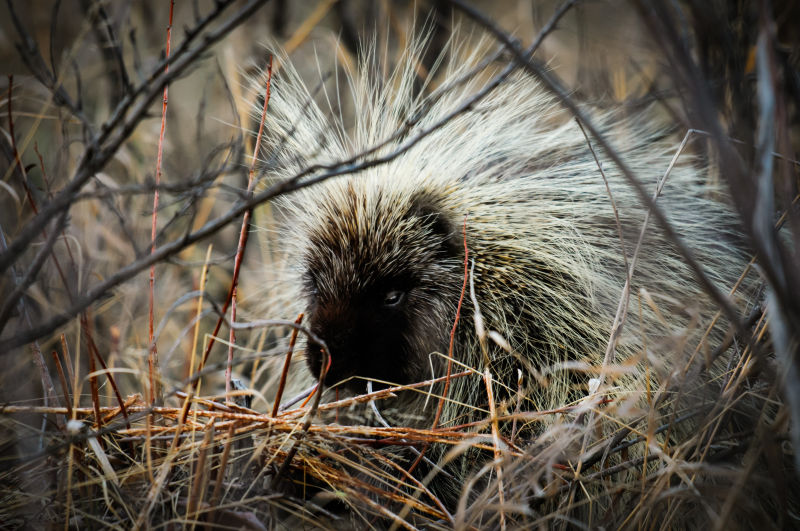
(92, 377)
(449, 350)
(152, 360)
(453, 331)
(243, 234)
(285, 370)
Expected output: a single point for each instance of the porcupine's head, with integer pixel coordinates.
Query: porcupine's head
(379, 272)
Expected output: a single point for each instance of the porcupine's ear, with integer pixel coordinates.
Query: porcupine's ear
(430, 213)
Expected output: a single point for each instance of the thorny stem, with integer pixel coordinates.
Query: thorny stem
(287, 361)
(242, 242)
(453, 331)
(440, 406)
(152, 360)
(87, 332)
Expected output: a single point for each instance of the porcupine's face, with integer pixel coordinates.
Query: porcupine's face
(377, 275)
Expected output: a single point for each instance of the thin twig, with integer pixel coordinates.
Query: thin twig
(243, 233)
(285, 371)
(154, 391)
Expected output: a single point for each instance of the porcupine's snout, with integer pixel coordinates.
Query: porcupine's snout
(364, 338)
(337, 326)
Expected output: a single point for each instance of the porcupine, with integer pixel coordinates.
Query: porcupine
(376, 259)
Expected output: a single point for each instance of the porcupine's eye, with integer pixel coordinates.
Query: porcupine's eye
(394, 298)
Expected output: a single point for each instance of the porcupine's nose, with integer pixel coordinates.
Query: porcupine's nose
(334, 328)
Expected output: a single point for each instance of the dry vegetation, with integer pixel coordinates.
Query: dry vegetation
(118, 406)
